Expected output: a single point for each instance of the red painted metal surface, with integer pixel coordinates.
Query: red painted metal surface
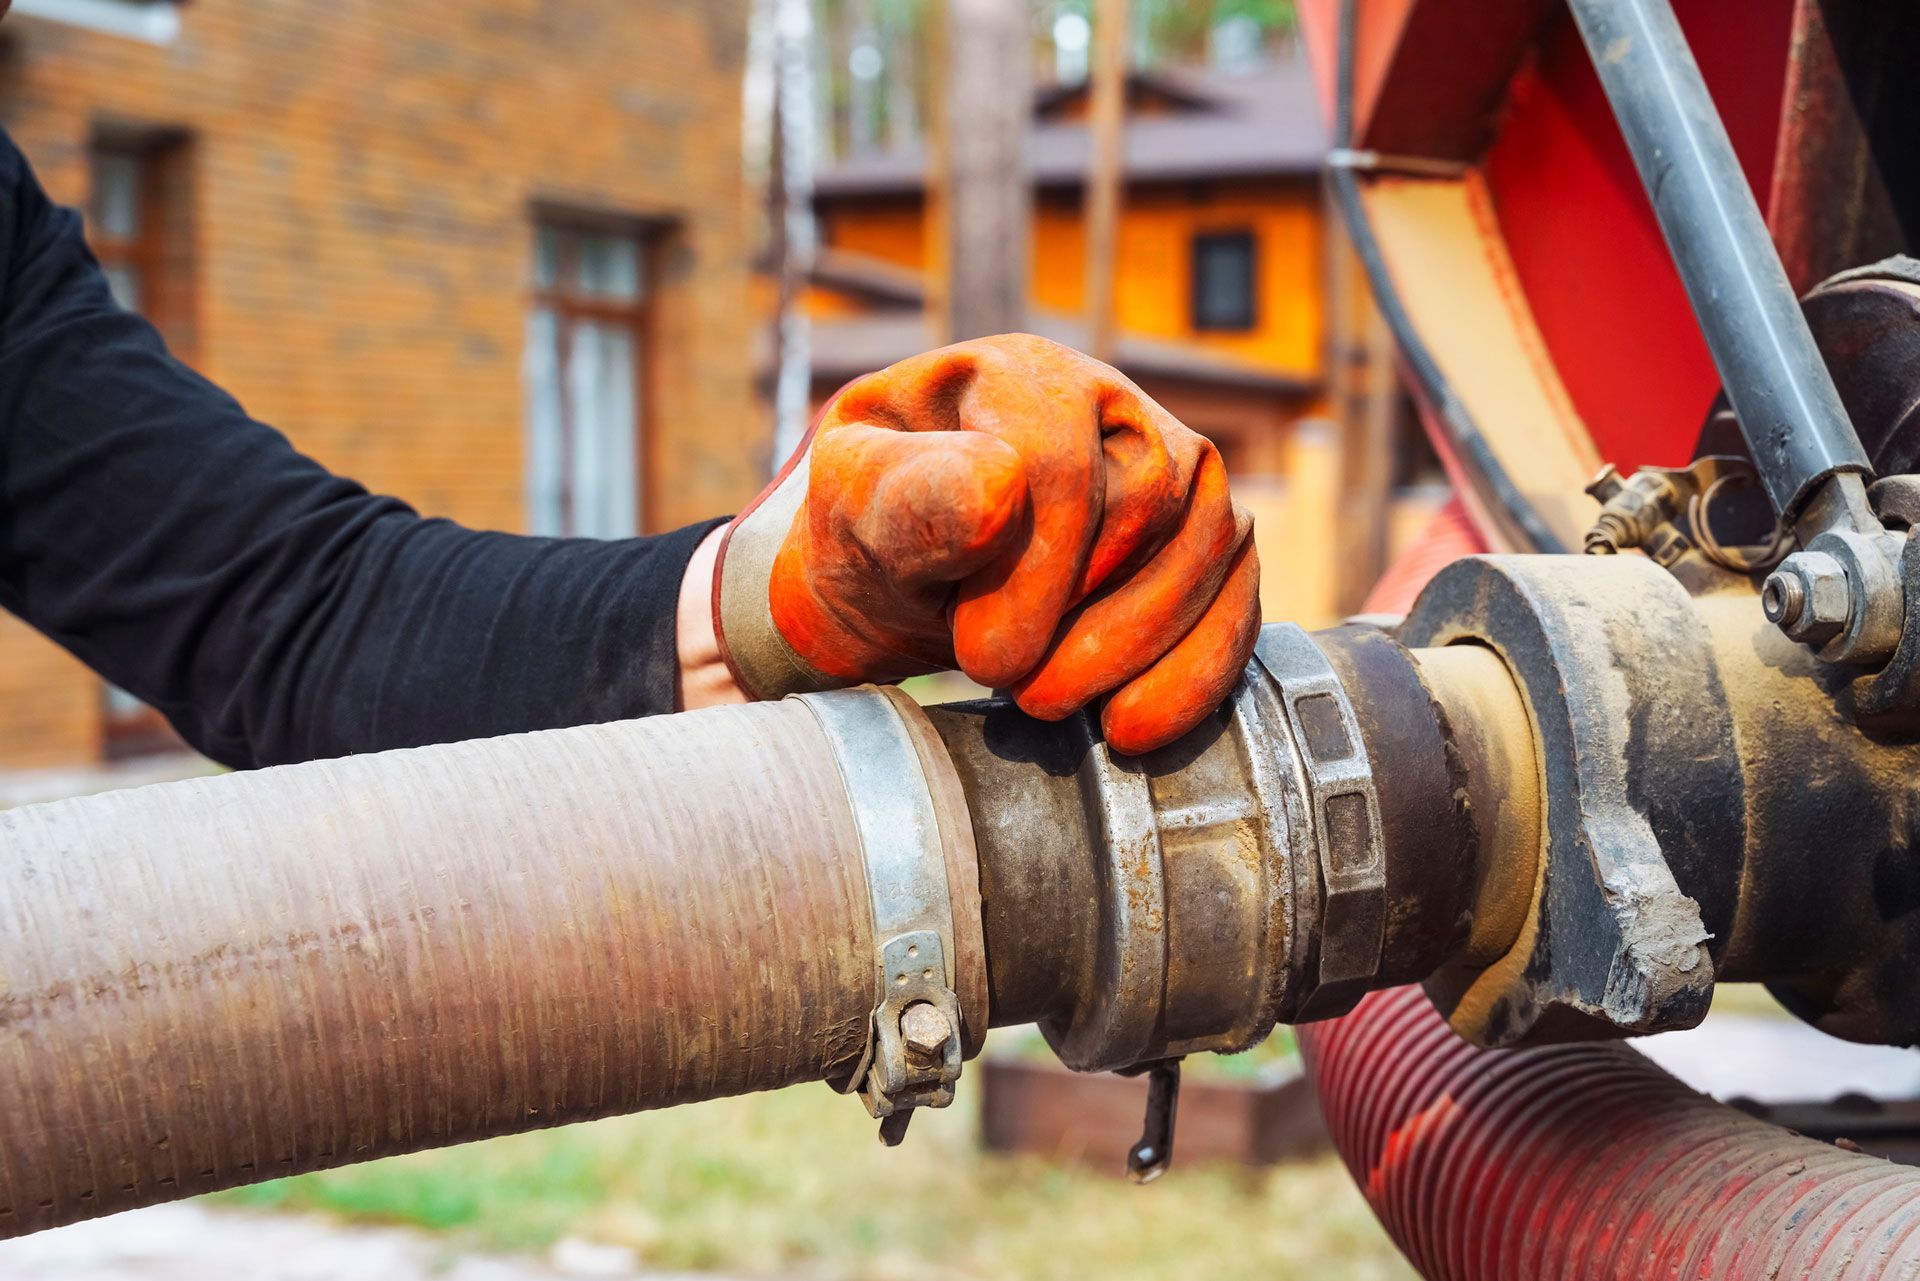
(1583, 237)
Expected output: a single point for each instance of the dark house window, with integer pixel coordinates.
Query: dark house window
(586, 375)
(140, 226)
(1223, 269)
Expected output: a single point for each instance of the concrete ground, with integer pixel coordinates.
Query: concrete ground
(189, 1242)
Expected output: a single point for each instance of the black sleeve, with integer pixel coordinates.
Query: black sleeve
(272, 610)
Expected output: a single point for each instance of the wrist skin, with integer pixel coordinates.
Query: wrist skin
(705, 680)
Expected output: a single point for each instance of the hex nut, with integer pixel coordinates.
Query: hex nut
(925, 1030)
(1341, 792)
(1814, 597)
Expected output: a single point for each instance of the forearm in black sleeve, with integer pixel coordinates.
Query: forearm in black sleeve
(272, 610)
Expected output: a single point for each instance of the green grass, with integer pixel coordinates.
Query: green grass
(795, 1184)
(1751, 999)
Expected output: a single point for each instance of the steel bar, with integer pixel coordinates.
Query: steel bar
(1781, 392)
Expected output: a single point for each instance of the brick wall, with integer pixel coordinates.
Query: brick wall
(362, 173)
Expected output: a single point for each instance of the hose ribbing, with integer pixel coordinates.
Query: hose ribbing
(210, 983)
(1588, 1163)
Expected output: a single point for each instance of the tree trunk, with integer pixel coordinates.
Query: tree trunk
(1105, 179)
(988, 102)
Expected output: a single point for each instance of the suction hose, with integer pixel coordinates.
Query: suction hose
(211, 983)
(1588, 1163)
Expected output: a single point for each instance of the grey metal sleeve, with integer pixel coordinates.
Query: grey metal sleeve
(758, 655)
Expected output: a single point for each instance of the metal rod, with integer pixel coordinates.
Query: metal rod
(1779, 386)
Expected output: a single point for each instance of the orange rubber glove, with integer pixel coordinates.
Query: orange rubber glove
(1010, 507)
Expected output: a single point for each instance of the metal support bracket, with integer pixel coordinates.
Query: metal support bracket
(913, 1052)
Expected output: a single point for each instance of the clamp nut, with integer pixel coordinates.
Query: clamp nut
(1808, 597)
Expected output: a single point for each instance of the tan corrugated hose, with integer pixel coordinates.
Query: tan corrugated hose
(216, 982)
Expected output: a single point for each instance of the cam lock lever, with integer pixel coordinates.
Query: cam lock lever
(1150, 1157)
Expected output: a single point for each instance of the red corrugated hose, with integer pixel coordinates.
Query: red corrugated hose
(1582, 1162)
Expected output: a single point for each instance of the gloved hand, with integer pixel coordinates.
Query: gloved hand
(1010, 507)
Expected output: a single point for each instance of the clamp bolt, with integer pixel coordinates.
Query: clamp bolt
(925, 1030)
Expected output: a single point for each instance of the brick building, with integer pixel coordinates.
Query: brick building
(488, 255)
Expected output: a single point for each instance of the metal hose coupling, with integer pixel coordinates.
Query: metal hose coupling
(1313, 840)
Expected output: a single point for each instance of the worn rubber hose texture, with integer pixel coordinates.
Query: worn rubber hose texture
(216, 982)
(1588, 1163)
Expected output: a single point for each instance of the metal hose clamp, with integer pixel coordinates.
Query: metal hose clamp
(913, 1051)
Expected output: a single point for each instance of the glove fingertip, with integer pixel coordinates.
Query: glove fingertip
(1173, 696)
(1046, 707)
(1003, 623)
(1133, 731)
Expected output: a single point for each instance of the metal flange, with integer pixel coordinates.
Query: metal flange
(1174, 876)
(1643, 787)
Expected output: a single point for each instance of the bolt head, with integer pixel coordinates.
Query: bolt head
(925, 1030)
(1809, 597)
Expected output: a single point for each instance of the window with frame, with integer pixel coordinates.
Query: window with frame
(139, 216)
(1223, 278)
(139, 225)
(586, 375)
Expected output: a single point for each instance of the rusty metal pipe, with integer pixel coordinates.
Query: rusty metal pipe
(208, 983)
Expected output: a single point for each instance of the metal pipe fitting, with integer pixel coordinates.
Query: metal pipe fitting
(1692, 759)
(1349, 820)
(1567, 794)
